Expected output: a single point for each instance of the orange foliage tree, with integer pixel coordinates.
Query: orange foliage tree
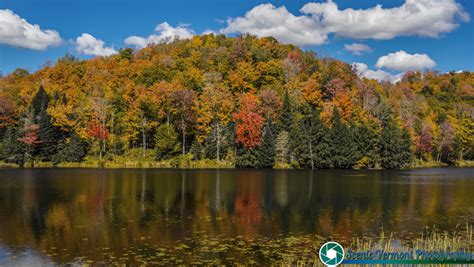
(249, 122)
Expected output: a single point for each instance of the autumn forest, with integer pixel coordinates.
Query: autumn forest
(217, 101)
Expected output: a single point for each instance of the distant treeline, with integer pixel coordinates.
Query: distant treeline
(246, 100)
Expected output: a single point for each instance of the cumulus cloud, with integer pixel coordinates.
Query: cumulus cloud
(429, 18)
(267, 20)
(88, 45)
(380, 75)
(415, 17)
(402, 61)
(163, 33)
(357, 49)
(16, 31)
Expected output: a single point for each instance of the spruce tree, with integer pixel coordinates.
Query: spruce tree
(366, 155)
(267, 148)
(40, 102)
(13, 151)
(405, 149)
(343, 148)
(395, 146)
(247, 157)
(310, 141)
(49, 135)
(321, 142)
(72, 149)
(286, 117)
(300, 139)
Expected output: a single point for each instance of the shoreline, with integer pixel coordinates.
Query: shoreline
(201, 164)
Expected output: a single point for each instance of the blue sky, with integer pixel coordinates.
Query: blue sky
(448, 45)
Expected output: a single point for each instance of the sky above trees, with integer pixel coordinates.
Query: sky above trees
(383, 39)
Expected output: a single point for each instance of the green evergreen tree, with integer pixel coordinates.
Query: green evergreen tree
(310, 141)
(343, 148)
(40, 102)
(365, 138)
(247, 157)
(395, 146)
(13, 149)
(226, 141)
(300, 139)
(406, 148)
(267, 148)
(286, 116)
(321, 142)
(167, 144)
(72, 149)
(49, 135)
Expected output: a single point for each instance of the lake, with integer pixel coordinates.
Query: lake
(57, 216)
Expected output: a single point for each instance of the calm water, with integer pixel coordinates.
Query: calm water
(196, 216)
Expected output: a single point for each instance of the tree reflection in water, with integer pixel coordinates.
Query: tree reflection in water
(101, 215)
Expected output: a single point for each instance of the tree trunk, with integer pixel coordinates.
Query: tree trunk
(144, 136)
(311, 155)
(218, 142)
(184, 135)
(100, 149)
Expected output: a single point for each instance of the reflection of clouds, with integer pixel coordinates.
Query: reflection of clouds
(107, 209)
(25, 258)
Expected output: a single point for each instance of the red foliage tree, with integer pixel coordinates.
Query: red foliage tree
(31, 135)
(249, 122)
(424, 142)
(98, 131)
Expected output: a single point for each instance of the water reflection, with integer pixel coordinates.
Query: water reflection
(64, 215)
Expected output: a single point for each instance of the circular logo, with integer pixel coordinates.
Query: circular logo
(331, 253)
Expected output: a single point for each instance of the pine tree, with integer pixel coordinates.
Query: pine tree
(321, 142)
(395, 146)
(13, 149)
(247, 157)
(40, 102)
(48, 134)
(267, 148)
(300, 139)
(72, 149)
(286, 117)
(310, 141)
(366, 155)
(343, 148)
(406, 148)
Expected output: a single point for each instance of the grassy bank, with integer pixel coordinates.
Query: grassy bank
(186, 162)
(433, 164)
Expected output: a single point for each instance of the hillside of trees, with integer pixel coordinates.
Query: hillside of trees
(251, 102)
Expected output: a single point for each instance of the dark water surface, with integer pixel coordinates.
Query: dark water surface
(197, 216)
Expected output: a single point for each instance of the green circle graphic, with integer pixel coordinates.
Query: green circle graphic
(331, 254)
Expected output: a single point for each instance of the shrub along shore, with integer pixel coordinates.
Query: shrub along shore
(187, 162)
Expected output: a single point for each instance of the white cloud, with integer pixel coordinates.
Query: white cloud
(163, 33)
(415, 17)
(267, 20)
(89, 45)
(429, 18)
(357, 49)
(382, 76)
(402, 61)
(16, 31)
